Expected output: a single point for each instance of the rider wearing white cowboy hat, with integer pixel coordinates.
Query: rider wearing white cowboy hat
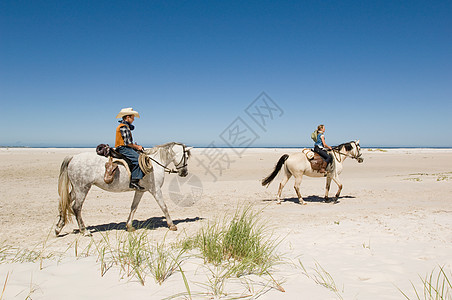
(124, 144)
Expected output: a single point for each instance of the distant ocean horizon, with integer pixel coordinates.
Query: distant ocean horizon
(226, 147)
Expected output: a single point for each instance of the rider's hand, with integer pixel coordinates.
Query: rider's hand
(139, 148)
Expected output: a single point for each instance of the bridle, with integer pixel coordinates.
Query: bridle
(346, 154)
(184, 159)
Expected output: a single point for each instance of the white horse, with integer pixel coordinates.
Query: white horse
(297, 164)
(79, 172)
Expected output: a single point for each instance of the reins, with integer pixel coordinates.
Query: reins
(345, 154)
(165, 168)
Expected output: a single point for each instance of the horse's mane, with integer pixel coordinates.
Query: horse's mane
(164, 155)
(348, 146)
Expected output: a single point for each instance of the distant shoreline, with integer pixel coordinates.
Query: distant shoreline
(202, 147)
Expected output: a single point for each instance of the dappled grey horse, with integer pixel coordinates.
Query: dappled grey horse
(79, 172)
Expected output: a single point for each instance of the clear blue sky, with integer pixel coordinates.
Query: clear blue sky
(378, 71)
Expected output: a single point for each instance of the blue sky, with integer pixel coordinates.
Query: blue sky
(378, 71)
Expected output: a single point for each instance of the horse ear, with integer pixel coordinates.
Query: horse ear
(357, 142)
(189, 148)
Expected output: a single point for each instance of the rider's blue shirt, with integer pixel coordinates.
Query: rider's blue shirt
(319, 142)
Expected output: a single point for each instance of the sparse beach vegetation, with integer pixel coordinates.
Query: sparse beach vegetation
(442, 176)
(320, 276)
(377, 150)
(436, 286)
(230, 248)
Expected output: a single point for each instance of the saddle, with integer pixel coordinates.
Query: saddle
(317, 162)
(111, 165)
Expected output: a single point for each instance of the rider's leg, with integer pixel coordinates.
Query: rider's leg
(137, 174)
(326, 157)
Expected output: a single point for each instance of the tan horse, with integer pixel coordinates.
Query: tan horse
(297, 164)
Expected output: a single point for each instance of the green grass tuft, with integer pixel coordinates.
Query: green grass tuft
(435, 286)
(244, 244)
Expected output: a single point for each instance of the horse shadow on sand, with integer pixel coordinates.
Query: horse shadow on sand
(311, 199)
(151, 223)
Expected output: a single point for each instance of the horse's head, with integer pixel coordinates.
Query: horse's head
(351, 149)
(180, 158)
(356, 151)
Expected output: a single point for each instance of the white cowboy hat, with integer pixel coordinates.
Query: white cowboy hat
(126, 112)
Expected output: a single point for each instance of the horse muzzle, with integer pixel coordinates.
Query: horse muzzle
(360, 159)
(183, 172)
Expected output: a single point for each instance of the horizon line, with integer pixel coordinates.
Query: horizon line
(250, 147)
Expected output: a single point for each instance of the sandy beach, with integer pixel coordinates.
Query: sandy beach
(392, 225)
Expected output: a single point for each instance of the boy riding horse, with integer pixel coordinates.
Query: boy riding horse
(124, 144)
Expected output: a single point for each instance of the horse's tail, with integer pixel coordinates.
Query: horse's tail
(266, 181)
(64, 184)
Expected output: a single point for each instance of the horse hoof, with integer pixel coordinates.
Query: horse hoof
(131, 229)
(87, 233)
(279, 202)
(173, 228)
(303, 203)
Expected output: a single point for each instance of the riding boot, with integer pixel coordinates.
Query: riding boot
(134, 185)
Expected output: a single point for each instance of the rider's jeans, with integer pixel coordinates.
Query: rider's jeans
(132, 155)
(322, 153)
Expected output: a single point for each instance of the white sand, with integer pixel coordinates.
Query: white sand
(392, 225)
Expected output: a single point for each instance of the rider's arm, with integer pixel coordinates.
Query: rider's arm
(324, 144)
(128, 140)
(135, 146)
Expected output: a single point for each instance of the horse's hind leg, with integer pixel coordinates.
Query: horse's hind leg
(133, 209)
(79, 196)
(286, 178)
(59, 226)
(297, 189)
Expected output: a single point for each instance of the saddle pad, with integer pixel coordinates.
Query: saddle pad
(309, 153)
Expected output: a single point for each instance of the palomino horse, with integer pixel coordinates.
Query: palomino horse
(79, 172)
(297, 164)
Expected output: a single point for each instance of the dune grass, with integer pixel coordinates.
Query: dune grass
(231, 248)
(165, 261)
(137, 256)
(4, 286)
(235, 247)
(10, 254)
(435, 286)
(244, 244)
(321, 277)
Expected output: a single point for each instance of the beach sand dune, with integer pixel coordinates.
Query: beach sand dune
(393, 224)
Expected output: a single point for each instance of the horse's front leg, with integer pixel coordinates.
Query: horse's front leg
(136, 200)
(339, 188)
(327, 188)
(159, 198)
